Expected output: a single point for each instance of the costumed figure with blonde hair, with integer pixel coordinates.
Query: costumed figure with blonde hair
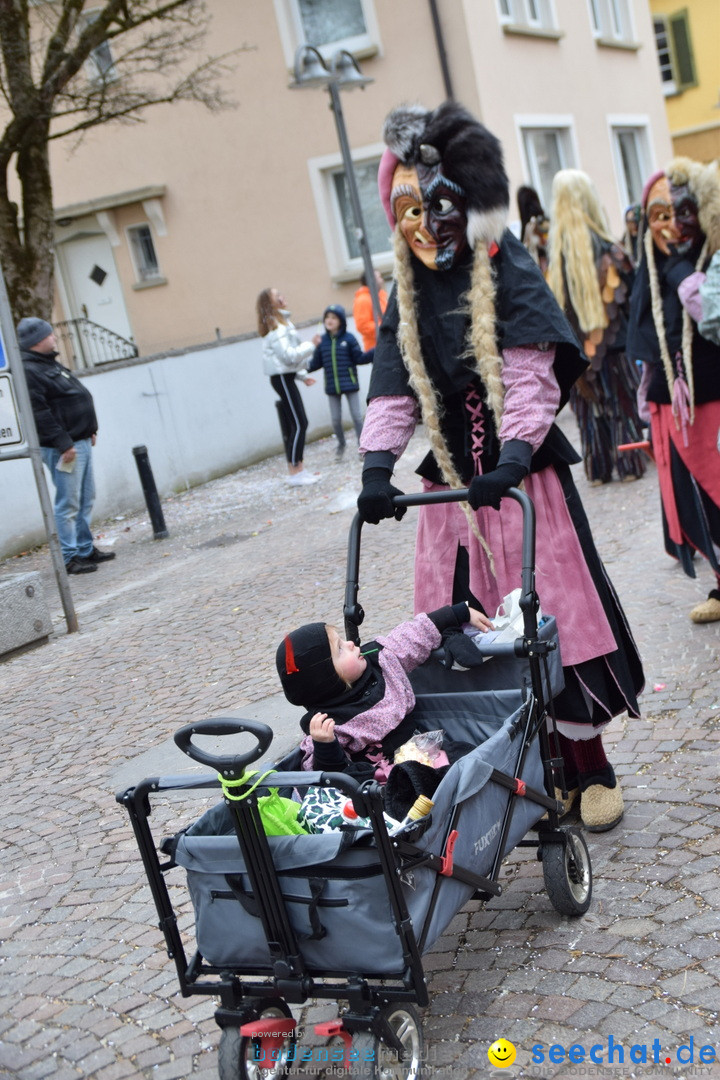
(474, 344)
(631, 237)
(591, 277)
(680, 386)
(534, 225)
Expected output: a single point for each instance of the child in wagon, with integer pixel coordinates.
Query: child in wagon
(358, 697)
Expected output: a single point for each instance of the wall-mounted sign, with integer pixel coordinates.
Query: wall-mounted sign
(10, 433)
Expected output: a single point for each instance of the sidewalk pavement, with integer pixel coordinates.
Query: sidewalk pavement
(182, 629)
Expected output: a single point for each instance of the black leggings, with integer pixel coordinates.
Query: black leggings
(293, 419)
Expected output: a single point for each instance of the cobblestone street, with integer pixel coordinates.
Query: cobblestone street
(181, 629)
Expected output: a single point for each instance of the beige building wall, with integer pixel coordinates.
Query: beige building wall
(575, 80)
(240, 201)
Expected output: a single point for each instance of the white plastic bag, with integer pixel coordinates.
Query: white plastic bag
(508, 619)
(508, 622)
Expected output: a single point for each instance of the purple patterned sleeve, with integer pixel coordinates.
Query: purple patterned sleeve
(389, 424)
(532, 394)
(411, 642)
(689, 293)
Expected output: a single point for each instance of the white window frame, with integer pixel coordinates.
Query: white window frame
(292, 35)
(612, 22)
(341, 265)
(669, 86)
(519, 15)
(92, 67)
(640, 126)
(142, 277)
(564, 126)
(675, 85)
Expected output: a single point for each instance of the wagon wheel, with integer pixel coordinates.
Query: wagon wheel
(238, 1055)
(568, 874)
(373, 1060)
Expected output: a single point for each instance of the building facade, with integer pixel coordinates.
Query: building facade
(688, 43)
(168, 229)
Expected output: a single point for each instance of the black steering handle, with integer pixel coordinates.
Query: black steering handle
(231, 766)
(352, 610)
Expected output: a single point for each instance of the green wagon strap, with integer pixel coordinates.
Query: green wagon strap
(228, 785)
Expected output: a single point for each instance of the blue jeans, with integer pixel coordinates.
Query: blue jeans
(74, 497)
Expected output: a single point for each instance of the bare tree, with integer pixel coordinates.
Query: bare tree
(63, 71)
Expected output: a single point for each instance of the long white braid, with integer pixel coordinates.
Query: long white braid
(659, 321)
(482, 332)
(430, 406)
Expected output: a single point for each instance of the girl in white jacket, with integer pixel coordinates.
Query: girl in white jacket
(284, 357)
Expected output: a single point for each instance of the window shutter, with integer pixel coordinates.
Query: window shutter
(679, 29)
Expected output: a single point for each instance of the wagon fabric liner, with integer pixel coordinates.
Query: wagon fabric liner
(333, 883)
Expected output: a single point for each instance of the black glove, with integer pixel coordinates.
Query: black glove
(375, 500)
(489, 489)
(513, 466)
(459, 649)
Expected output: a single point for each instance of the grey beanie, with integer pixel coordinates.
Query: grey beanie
(32, 331)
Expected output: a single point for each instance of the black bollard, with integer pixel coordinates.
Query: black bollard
(152, 499)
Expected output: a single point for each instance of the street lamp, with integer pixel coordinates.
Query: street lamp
(310, 71)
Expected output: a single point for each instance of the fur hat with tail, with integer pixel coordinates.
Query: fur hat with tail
(704, 184)
(468, 154)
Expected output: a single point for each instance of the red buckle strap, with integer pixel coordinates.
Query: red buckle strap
(446, 862)
(330, 1028)
(271, 1033)
(520, 787)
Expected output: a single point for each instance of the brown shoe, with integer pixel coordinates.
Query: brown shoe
(707, 611)
(601, 808)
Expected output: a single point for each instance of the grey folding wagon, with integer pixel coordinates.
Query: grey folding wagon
(346, 916)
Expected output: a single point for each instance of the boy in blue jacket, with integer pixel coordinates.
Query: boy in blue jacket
(339, 354)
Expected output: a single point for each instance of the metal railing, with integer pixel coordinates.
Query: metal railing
(84, 344)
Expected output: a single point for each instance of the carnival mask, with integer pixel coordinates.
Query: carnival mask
(685, 209)
(431, 213)
(672, 215)
(660, 215)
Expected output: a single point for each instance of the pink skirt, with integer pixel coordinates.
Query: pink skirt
(700, 457)
(563, 582)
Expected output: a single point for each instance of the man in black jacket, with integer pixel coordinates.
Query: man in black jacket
(67, 428)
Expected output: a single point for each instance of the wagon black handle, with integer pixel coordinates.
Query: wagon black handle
(231, 766)
(353, 612)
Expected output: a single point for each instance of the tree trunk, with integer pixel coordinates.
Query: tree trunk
(26, 250)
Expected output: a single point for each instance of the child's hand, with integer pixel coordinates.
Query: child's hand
(322, 728)
(479, 621)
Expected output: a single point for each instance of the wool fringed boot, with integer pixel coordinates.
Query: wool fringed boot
(601, 800)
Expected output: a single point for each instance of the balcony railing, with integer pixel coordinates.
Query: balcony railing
(84, 344)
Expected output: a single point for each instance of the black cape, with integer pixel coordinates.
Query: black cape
(642, 339)
(526, 314)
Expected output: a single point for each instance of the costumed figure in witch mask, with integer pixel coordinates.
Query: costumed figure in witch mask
(591, 278)
(474, 344)
(680, 387)
(534, 225)
(631, 237)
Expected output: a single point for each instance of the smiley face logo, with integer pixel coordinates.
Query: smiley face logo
(501, 1054)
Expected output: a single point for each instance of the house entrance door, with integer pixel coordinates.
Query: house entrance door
(92, 283)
